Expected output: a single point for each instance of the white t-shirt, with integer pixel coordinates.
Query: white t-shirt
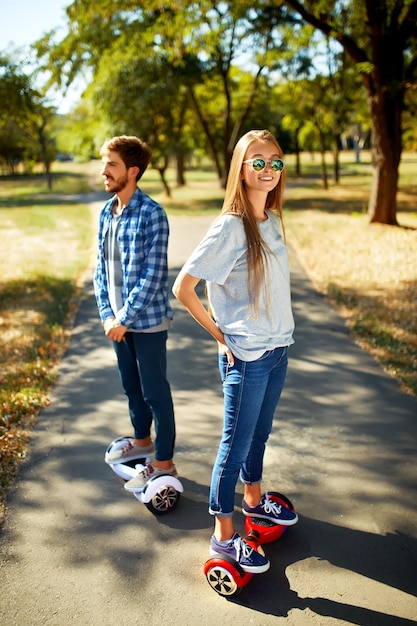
(220, 260)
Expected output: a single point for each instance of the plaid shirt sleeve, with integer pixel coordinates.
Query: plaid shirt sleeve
(101, 291)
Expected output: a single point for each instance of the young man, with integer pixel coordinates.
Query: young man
(131, 288)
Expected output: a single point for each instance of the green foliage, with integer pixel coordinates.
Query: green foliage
(380, 38)
(191, 76)
(170, 72)
(82, 132)
(24, 119)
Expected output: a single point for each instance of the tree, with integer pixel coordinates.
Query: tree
(342, 90)
(24, 120)
(410, 119)
(245, 44)
(80, 132)
(218, 36)
(380, 36)
(147, 98)
(40, 119)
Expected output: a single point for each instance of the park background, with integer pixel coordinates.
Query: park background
(335, 81)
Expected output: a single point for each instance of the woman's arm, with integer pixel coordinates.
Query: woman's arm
(184, 291)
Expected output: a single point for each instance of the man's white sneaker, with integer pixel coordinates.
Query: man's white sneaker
(127, 452)
(138, 482)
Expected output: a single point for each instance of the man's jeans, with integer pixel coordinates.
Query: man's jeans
(141, 359)
(251, 393)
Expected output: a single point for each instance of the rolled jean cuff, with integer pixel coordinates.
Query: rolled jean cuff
(222, 515)
(249, 482)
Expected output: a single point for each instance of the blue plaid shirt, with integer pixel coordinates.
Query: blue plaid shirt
(143, 241)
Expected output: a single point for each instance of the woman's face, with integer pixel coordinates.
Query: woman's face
(256, 176)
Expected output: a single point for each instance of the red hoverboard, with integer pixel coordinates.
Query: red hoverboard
(225, 575)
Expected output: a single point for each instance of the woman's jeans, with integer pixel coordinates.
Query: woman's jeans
(251, 393)
(141, 359)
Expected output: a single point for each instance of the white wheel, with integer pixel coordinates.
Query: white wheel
(161, 494)
(222, 581)
(164, 501)
(225, 575)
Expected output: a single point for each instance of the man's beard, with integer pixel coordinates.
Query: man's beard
(114, 186)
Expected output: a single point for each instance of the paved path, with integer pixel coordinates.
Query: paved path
(78, 549)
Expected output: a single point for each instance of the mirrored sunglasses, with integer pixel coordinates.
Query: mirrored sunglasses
(258, 164)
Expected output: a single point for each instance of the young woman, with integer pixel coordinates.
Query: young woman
(244, 261)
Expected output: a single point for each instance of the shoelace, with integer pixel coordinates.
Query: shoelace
(147, 471)
(242, 546)
(126, 448)
(269, 506)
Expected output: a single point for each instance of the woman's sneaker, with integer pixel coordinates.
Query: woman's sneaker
(249, 559)
(272, 511)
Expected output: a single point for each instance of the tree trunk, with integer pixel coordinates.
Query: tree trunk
(357, 142)
(386, 155)
(180, 169)
(336, 160)
(297, 152)
(164, 181)
(323, 161)
(324, 170)
(44, 152)
(389, 34)
(210, 139)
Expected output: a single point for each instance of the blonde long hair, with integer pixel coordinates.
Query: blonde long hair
(237, 202)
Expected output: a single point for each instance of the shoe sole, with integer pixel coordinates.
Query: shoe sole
(134, 489)
(126, 459)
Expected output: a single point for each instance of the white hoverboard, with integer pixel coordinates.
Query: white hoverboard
(160, 494)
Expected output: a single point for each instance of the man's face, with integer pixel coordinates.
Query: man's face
(114, 172)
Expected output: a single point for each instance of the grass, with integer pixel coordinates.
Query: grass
(46, 248)
(368, 272)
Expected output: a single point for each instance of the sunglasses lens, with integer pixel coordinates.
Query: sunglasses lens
(277, 165)
(258, 165)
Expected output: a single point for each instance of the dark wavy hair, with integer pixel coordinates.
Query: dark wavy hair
(133, 151)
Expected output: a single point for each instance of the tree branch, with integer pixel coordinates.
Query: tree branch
(328, 28)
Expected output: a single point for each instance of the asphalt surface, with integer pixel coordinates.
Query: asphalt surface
(78, 549)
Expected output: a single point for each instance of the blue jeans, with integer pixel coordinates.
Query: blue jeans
(141, 358)
(251, 392)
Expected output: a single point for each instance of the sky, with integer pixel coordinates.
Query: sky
(25, 21)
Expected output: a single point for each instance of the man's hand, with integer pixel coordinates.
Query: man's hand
(114, 330)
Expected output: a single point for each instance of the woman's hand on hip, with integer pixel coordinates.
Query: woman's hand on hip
(224, 349)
